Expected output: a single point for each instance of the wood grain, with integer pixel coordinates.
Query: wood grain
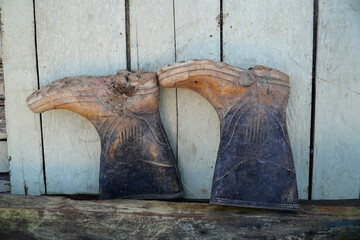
(4, 183)
(2, 89)
(76, 38)
(337, 126)
(197, 36)
(4, 168)
(2, 118)
(24, 134)
(152, 46)
(4, 162)
(2, 98)
(1, 69)
(277, 34)
(61, 218)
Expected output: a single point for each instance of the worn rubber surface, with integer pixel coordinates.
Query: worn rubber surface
(136, 159)
(254, 166)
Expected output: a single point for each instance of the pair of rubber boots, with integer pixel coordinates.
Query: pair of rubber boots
(254, 165)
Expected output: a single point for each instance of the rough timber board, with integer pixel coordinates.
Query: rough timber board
(76, 38)
(4, 161)
(2, 118)
(28, 217)
(152, 46)
(23, 127)
(278, 35)
(1, 86)
(1, 69)
(4, 186)
(197, 36)
(337, 125)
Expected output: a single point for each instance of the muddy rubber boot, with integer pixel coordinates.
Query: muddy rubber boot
(254, 166)
(136, 159)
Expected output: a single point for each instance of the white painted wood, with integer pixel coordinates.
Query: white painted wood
(23, 127)
(197, 36)
(88, 37)
(4, 161)
(337, 125)
(76, 38)
(152, 46)
(277, 34)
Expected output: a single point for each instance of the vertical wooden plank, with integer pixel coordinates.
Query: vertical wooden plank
(337, 124)
(2, 89)
(2, 97)
(3, 134)
(4, 162)
(1, 67)
(23, 127)
(4, 183)
(1, 85)
(152, 46)
(76, 38)
(2, 120)
(4, 168)
(277, 34)
(197, 36)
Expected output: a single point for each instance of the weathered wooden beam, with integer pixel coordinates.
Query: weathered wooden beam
(33, 217)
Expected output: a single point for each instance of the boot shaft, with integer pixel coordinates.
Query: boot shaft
(136, 159)
(254, 166)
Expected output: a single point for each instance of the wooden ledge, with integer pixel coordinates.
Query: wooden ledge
(40, 217)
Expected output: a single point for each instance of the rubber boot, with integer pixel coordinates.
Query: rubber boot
(136, 159)
(254, 166)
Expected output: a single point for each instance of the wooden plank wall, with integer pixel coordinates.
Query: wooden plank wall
(4, 161)
(3, 135)
(277, 35)
(197, 36)
(76, 38)
(337, 118)
(4, 168)
(152, 46)
(89, 37)
(20, 75)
